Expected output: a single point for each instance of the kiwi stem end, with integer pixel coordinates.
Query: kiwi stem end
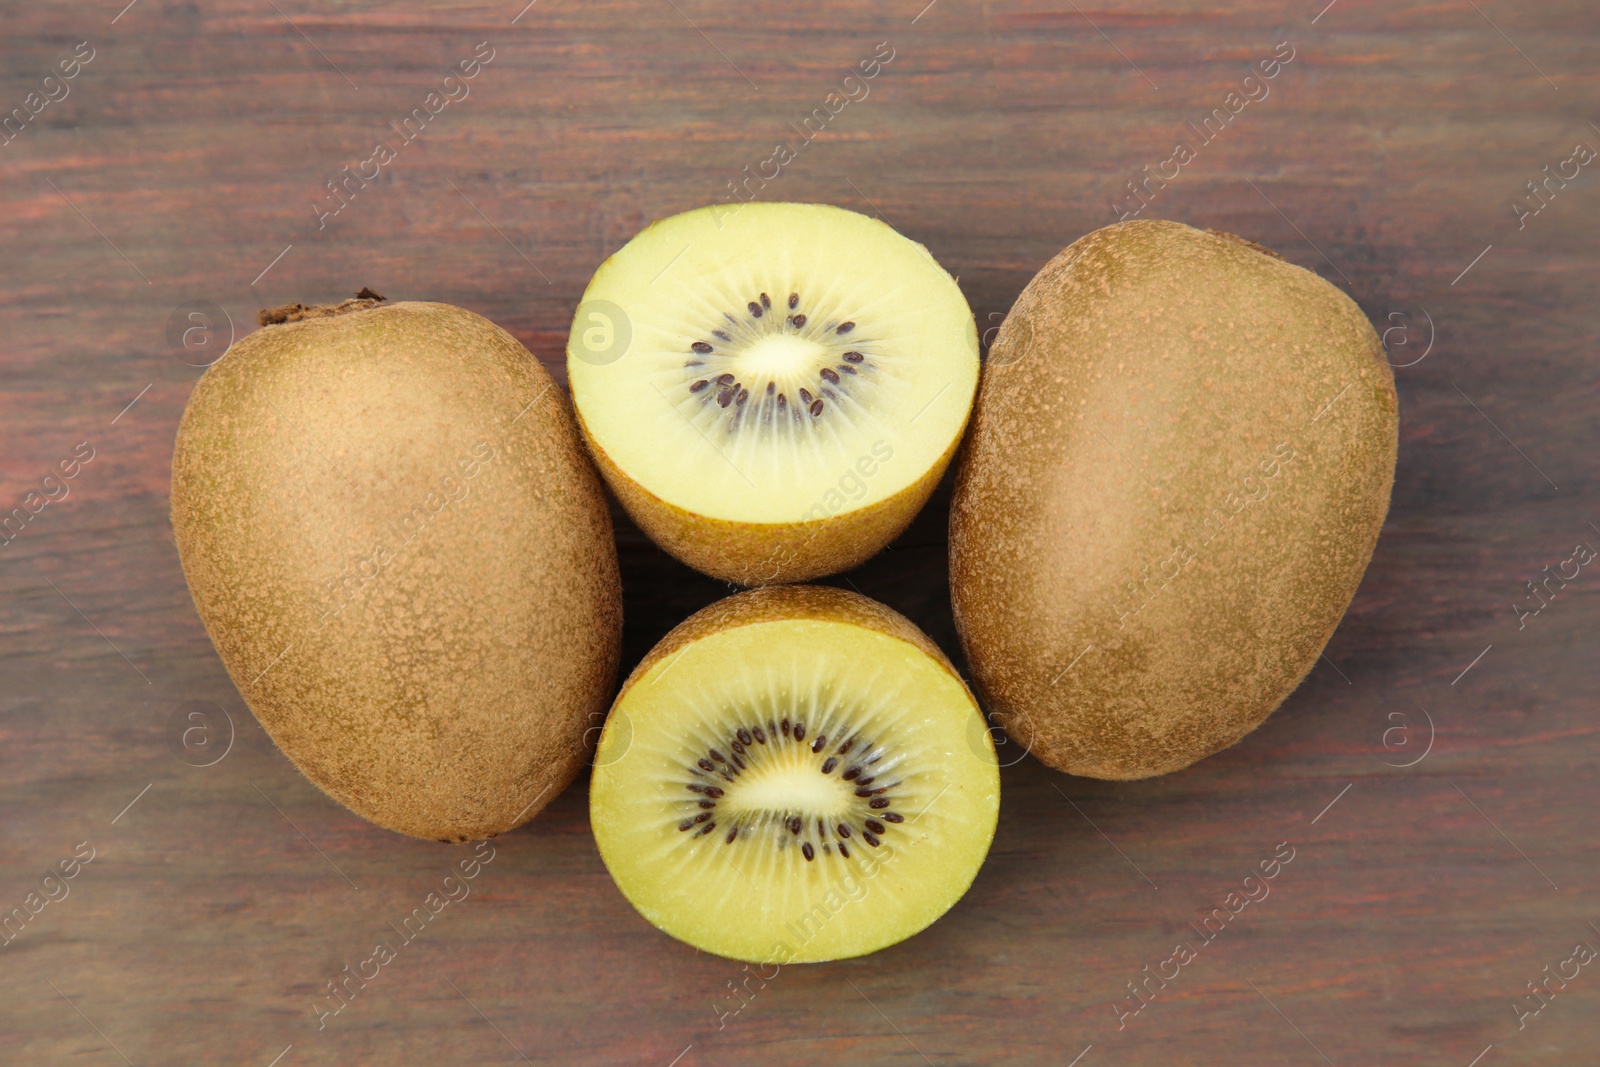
(363, 300)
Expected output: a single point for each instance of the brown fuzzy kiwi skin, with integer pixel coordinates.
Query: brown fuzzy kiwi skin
(1105, 625)
(757, 554)
(403, 556)
(780, 603)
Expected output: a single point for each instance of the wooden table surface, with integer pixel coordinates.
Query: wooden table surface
(1434, 777)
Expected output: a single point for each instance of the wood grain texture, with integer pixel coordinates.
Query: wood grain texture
(191, 152)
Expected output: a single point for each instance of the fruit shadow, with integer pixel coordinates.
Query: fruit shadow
(911, 576)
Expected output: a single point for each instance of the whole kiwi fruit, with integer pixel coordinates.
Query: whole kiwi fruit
(1180, 459)
(404, 558)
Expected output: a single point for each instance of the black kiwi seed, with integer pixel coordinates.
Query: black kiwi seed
(744, 394)
(722, 334)
(853, 357)
(831, 375)
(805, 397)
(724, 379)
(766, 301)
(847, 368)
(755, 310)
(845, 327)
(697, 386)
(816, 408)
(851, 758)
(724, 397)
(794, 299)
(799, 321)
(701, 347)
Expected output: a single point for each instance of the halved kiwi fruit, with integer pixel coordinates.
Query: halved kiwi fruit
(772, 392)
(794, 774)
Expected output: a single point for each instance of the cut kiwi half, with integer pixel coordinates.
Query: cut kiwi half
(794, 774)
(772, 392)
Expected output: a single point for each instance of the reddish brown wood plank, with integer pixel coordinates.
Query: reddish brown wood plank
(191, 152)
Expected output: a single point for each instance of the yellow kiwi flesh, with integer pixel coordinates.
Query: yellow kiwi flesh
(1180, 460)
(772, 392)
(404, 558)
(794, 774)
